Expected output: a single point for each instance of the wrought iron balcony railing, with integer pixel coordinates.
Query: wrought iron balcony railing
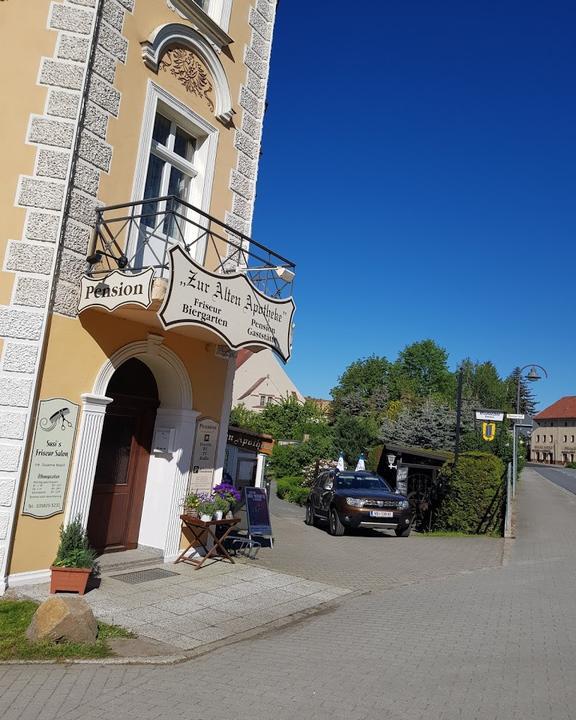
(137, 235)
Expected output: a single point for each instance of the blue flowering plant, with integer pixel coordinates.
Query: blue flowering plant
(228, 493)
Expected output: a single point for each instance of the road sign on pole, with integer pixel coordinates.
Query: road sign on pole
(491, 415)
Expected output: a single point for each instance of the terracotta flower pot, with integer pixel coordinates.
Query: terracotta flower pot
(69, 579)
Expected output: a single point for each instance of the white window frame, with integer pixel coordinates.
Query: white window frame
(160, 100)
(217, 10)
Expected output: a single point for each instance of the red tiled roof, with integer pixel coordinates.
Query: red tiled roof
(563, 408)
(241, 357)
(252, 388)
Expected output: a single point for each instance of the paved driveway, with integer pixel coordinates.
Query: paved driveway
(487, 643)
(369, 560)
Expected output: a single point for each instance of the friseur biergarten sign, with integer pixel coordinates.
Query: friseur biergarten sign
(229, 305)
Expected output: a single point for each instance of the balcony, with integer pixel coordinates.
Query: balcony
(134, 237)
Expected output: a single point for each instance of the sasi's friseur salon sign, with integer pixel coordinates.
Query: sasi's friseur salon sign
(229, 305)
(116, 289)
(50, 458)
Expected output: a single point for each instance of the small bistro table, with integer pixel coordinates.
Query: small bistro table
(197, 527)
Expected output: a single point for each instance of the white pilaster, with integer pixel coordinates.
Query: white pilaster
(86, 457)
(185, 423)
(260, 467)
(224, 420)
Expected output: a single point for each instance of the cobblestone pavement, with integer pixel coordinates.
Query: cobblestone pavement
(190, 608)
(486, 643)
(369, 559)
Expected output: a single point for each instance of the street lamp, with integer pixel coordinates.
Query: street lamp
(532, 376)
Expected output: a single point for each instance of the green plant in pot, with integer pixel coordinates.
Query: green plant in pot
(221, 506)
(75, 560)
(206, 507)
(191, 503)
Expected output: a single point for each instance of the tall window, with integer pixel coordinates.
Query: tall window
(176, 159)
(170, 172)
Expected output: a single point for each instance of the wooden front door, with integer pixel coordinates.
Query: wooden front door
(122, 467)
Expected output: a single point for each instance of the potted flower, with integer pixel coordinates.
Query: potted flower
(191, 502)
(206, 507)
(221, 506)
(75, 560)
(229, 493)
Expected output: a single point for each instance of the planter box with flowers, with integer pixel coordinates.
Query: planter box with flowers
(212, 506)
(75, 560)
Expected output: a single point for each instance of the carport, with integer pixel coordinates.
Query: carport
(414, 472)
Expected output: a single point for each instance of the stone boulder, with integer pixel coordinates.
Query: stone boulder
(63, 618)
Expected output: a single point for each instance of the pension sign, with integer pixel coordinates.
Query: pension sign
(116, 289)
(229, 305)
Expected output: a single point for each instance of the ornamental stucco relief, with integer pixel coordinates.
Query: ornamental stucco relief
(190, 72)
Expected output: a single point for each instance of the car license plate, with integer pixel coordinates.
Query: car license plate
(381, 513)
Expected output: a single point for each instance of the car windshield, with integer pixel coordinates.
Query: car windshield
(359, 481)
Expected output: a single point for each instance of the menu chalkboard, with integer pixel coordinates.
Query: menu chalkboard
(257, 512)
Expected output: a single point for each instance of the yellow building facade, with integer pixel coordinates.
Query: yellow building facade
(133, 128)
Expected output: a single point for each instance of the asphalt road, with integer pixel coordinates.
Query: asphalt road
(564, 477)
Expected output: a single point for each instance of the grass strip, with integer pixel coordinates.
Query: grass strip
(15, 617)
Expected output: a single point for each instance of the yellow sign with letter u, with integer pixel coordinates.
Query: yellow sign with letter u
(488, 431)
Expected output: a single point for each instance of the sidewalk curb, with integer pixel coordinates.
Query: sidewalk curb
(184, 656)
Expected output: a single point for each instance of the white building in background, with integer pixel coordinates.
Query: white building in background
(260, 380)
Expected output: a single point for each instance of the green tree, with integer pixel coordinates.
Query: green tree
(427, 425)
(362, 388)
(291, 419)
(421, 371)
(483, 386)
(527, 399)
(290, 460)
(241, 416)
(354, 435)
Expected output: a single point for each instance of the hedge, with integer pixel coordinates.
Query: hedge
(472, 499)
(291, 489)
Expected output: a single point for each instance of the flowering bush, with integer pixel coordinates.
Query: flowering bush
(228, 492)
(309, 472)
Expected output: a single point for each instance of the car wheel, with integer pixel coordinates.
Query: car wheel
(403, 532)
(310, 518)
(334, 523)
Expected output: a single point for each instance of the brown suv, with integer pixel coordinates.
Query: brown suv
(357, 499)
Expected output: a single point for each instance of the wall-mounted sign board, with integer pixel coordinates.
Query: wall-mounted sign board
(116, 289)
(402, 480)
(229, 305)
(205, 445)
(50, 458)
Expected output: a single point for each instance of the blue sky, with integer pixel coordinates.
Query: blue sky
(419, 166)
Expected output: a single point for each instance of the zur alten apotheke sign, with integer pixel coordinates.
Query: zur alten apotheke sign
(229, 305)
(50, 457)
(116, 289)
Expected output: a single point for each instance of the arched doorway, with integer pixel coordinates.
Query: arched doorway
(122, 465)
